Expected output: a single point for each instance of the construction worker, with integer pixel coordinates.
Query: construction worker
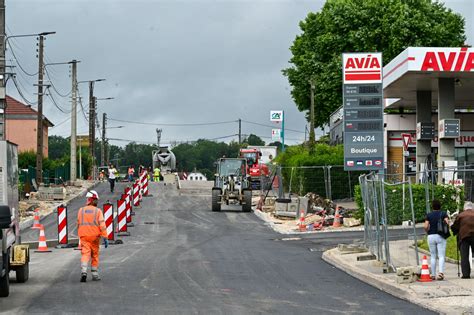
(90, 228)
(131, 171)
(156, 174)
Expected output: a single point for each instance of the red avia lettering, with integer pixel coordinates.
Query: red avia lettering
(366, 63)
(452, 61)
(362, 68)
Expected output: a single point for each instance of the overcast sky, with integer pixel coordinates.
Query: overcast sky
(170, 62)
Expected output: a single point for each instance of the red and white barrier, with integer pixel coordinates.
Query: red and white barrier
(128, 210)
(145, 186)
(109, 220)
(122, 218)
(136, 195)
(62, 227)
(129, 191)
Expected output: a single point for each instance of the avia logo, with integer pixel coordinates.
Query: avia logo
(363, 67)
(367, 62)
(452, 61)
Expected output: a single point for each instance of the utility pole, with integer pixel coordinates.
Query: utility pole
(102, 151)
(3, 102)
(240, 131)
(39, 126)
(73, 161)
(92, 104)
(312, 139)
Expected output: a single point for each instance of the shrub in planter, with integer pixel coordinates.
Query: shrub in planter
(398, 201)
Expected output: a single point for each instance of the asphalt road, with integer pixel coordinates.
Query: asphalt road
(194, 261)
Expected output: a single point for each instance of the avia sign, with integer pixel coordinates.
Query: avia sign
(460, 60)
(360, 68)
(429, 59)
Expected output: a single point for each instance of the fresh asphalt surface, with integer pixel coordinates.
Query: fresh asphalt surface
(194, 261)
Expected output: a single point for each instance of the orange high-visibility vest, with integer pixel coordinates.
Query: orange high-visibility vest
(90, 222)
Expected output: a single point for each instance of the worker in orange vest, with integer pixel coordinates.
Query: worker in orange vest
(90, 228)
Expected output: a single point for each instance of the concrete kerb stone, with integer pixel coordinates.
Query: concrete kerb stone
(29, 222)
(378, 281)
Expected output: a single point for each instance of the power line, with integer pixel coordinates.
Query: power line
(270, 126)
(65, 111)
(18, 62)
(176, 125)
(54, 87)
(62, 122)
(21, 93)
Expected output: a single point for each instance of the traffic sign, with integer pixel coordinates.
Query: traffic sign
(276, 115)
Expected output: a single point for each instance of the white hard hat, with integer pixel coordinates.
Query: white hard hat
(92, 194)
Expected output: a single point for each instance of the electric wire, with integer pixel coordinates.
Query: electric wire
(62, 122)
(18, 62)
(23, 86)
(15, 82)
(65, 111)
(82, 106)
(175, 125)
(270, 126)
(54, 87)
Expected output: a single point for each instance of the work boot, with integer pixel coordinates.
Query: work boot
(96, 277)
(83, 277)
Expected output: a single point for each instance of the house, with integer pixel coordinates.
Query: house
(21, 123)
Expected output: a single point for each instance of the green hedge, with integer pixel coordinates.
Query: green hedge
(451, 199)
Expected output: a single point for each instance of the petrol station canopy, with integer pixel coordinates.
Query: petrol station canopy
(419, 68)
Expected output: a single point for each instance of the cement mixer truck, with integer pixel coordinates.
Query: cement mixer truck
(164, 159)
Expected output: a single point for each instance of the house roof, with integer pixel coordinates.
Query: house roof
(17, 110)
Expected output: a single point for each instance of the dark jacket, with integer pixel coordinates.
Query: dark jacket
(463, 226)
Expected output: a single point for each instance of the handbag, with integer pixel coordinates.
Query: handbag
(443, 228)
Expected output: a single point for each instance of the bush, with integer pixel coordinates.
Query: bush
(304, 168)
(451, 199)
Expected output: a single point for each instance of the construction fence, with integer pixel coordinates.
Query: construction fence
(330, 182)
(388, 201)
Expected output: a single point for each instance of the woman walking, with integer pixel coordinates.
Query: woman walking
(436, 242)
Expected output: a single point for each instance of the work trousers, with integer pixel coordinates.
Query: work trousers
(112, 184)
(466, 244)
(90, 250)
(156, 178)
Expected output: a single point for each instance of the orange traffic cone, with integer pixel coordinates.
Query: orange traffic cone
(337, 218)
(425, 271)
(302, 224)
(36, 223)
(42, 246)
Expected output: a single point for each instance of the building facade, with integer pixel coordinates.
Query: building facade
(21, 126)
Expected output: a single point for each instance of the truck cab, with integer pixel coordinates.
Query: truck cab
(257, 171)
(13, 256)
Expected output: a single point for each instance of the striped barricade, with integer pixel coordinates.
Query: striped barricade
(136, 195)
(63, 239)
(122, 218)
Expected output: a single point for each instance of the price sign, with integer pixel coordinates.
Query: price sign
(363, 112)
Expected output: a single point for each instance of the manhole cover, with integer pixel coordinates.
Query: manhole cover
(148, 222)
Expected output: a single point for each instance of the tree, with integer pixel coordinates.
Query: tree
(388, 26)
(58, 147)
(202, 154)
(254, 140)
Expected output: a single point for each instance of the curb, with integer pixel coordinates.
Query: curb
(375, 281)
(29, 222)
